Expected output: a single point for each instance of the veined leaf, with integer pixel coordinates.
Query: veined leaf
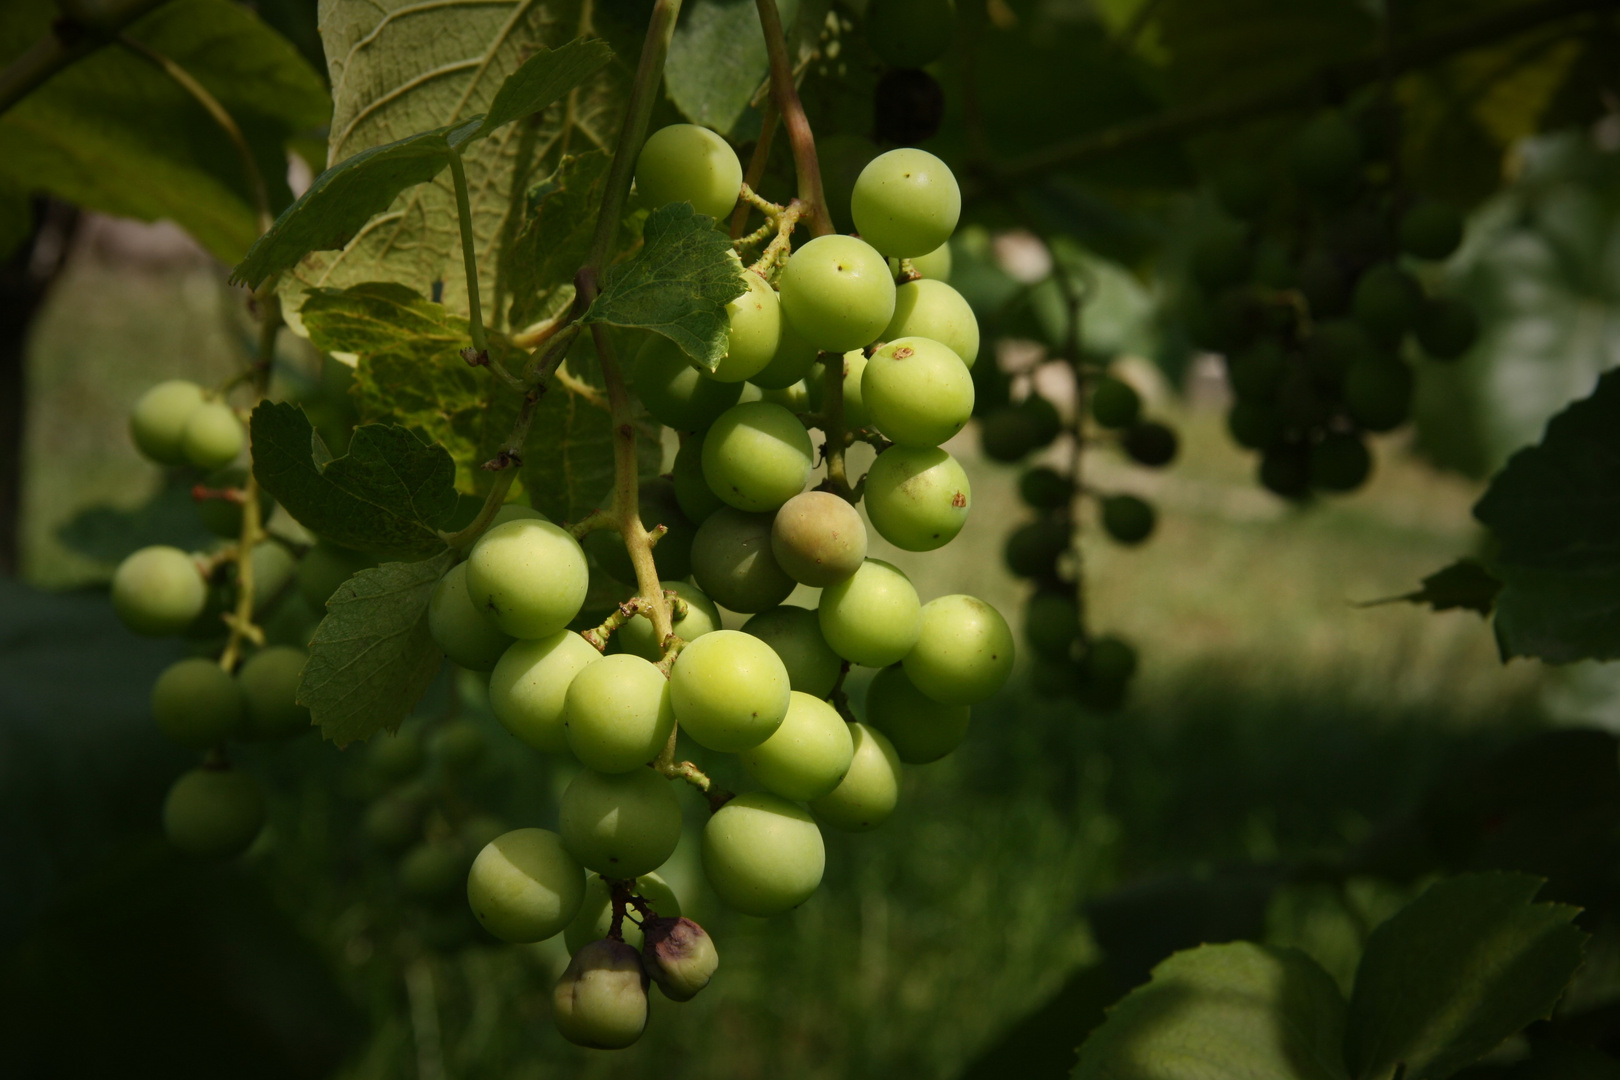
(717, 59)
(538, 83)
(554, 243)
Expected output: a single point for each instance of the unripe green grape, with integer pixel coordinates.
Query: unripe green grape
(1114, 403)
(936, 266)
(1256, 373)
(837, 293)
(1109, 659)
(906, 202)
(679, 956)
(757, 456)
(1044, 488)
(269, 685)
(762, 854)
(692, 493)
(1447, 328)
(391, 823)
(795, 398)
(791, 362)
(1322, 281)
(1387, 302)
(528, 690)
(525, 886)
(1253, 425)
(1378, 393)
(214, 813)
(702, 617)
(794, 634)
(1335, 344)
(807, 755)
(992, 389)
(918, 499)
(658, 504)
(158, 591)
(733, 564)
(617, 715)
(910, 33)
(730, 690)
(874, 617)
(1006, 435)
(430, 871)
(842, 157)
(674, 391)
(1044, 422)
(1052, 624)
(459, 628)
(1326, 154)
(1431, 230)
(326, 566)
(595, 916)
(213, 436)
(818, 539)
(601, 999)
(528, 578)
(755, 320)
(1221, 260)
(458, 745)
(1285, 469)
(867, 795)
(854, 367)
(1150, 443)
(197, 704)
(934, 310)
(1128, 519)
(158, 421)
(687, 163)
(917, 392)
(621, 825)
(1340, 462)
(964, 651)
(274, 571)
(1032, 550)
(1302, 402)
(920, 729)
(396, 755)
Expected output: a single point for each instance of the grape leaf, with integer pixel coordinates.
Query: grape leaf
(556, 239)
(677, 285)
(1554, 511)
(114, 133)
(1223, 1012)
(372, 656)
(391, 492)
(537, 84)
(1464, 584)
(1455, 972)
(717, 59)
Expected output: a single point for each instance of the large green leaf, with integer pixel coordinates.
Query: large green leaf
(555, 241)
(717, 59)
(1458, 970)
(391, 492)
(399, 67)
(677, 285)
(114, 133)
(1223, 1012)
(372, 657)
(537, 84)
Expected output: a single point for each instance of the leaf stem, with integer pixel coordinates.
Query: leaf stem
(469, 256)
(786, 97)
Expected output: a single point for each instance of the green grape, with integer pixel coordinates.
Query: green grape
(213, 436)
(516, 512)
(396, 755)
(274, 571)
(1221, 260)
(1033, 550)
(623, 825)
(158, 421)
(1253, 425)
(324, 568)
(430, 871)
(1109, 660)
(817, 538)
(692, 493)
(1326, 155)
(791, 362)
(595, 917)
(906, 202)
(762, 854)
(1340, 462)
(936, 266)
(659, 504)
(1387, 302)
(1044, 422)
(755, 331)
(269, 685)
(215, 813)
(1321, 281)
(874, 617)
(680, 957)
(197, 704)
(757, 456)
(527, 577)
(1243, 190)
(1128, 519)
(807, 755)
(1431, 230)
(1285, 469)
(1114, 403)
(600, 1001)
(1150, 443)
(391, 823)
(1301, 403)
(1052, 624)
(837, 293)
(617, 715)
(854, 365)
(1447, 328)
(1006, 434)
(674, 391)
(867, 795)
(842, 157)
(918, 499)
(910, 33)
(920, 729)
(934, 310)
(795, 399)
(1378, 393)
(458, 746)
(732, 562)
(1044, 488)
(687, 163)
(158, 591)
(964, 651)
(525, 886)
(1256, 373)
(794, 634)
(459, 628)
(730, 690)
(528, 690)
(1335, 344)
(702, 617)
(917, 392)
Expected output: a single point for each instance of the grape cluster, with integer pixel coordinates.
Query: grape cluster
(1308, 293)
(840, 317)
